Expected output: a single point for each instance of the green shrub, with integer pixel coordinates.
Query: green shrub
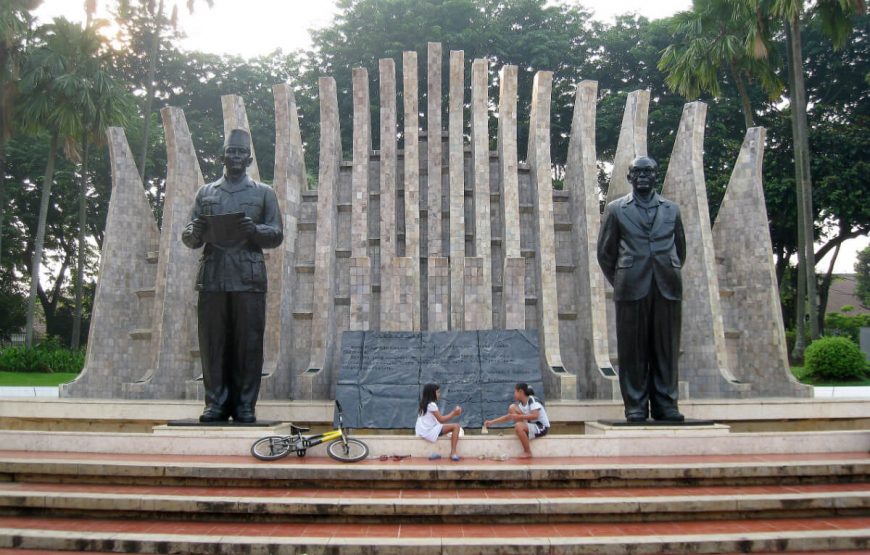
(47, 357)
(835, 358)
(845, 325)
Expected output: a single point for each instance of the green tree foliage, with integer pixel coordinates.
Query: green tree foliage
(835, 358)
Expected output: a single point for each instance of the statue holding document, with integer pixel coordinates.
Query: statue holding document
(234, 218)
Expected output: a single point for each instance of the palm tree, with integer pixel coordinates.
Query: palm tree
(110, 107)
(713, 39)
(56, 88)
(15, 23)
(836, 21)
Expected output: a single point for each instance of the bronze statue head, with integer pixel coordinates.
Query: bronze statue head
(237, 153)
(642, 173)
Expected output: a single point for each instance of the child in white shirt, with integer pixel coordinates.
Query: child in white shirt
(529, 417)
(431, 424)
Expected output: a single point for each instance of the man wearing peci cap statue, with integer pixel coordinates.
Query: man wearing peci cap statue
(235, 218)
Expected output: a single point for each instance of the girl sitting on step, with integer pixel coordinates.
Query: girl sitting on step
(528, 415)
(431, 424)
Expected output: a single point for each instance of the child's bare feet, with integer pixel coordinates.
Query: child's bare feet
(525, 456)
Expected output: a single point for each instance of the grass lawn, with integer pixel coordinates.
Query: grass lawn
(803, 376)
(35, 379)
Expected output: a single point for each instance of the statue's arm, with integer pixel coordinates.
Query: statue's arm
(270, 233)
(608, 244)
(193, 231)
(680, 238)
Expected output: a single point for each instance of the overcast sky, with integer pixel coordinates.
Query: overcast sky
(270, 24)
(267, 25)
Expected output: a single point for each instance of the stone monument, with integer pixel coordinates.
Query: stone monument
(438, 233)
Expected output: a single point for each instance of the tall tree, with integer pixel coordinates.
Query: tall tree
(56, 93)
(712, 39)
(15, 21)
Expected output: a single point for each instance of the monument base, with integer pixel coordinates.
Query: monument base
(195, 423)
(653, 429)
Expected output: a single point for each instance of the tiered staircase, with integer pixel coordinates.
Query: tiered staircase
(223, 504)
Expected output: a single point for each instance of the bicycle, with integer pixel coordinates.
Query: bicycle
(341, 447)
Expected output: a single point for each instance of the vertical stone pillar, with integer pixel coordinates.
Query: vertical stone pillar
(457, 189)
(173, 331)
(582, 184)
(438, 278)
(478, 315)
(360, 273)
(704, 362)
(747, 279)
(433, 147)
(391, 316)
(631, 144)
(289, 182)
(125, 289)
(323, 303)
(412, 179)
(545, 255)
(513, 275)
(235, 117)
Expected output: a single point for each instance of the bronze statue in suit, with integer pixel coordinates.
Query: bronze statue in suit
(641, 249)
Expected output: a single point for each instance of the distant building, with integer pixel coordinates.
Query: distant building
(843, 293)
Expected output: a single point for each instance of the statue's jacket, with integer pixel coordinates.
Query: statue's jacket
(635, 256)
(236, 265)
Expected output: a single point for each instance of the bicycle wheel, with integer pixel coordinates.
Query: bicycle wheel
(354, 451)
(271, 448)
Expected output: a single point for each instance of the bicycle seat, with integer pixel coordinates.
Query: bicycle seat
(294, 429)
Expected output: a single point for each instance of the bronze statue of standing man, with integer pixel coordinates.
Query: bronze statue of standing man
(231, 310)
(641, 249)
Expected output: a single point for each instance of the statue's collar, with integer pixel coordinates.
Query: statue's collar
(654, 200)
(231, 187)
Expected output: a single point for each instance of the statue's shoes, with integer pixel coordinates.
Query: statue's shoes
(212, 415)
(636, 418)
(245, 417)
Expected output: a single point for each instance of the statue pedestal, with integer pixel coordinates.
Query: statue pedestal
(194, 428)
(652, 428)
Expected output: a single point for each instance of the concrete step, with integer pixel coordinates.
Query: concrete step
(415, 472)
(721, 536)
(521, 506)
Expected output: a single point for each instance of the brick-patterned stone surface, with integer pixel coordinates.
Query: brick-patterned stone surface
(539, 164)
(581, 183)
(433, 147)
(173, 327)
(412, 180)
(631, 143)
(747, 278)
(482, 310)
(323, 293)
(360, 278)
(388, 252)
(289, 183)
(457, 188)
(439, 293)
(125, 289)
(704, 360)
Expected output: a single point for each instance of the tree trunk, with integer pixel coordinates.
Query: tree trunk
(36, 265)
(2, 196)
(82, 250)
(803, 178)
(149, 91)
(748, 120)
(826, 288)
